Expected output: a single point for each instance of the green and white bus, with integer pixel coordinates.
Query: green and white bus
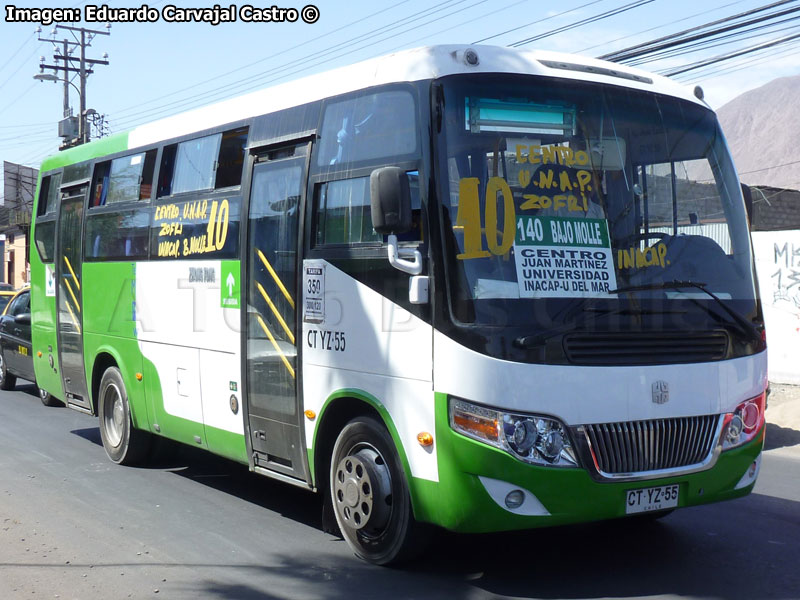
(469, 287)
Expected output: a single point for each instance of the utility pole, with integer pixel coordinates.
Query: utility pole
(74, 130)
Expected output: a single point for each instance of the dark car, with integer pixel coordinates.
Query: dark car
(16, 354)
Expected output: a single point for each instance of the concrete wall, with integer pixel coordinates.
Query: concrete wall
(16, 273)
(778, 266)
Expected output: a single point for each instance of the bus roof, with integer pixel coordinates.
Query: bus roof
(408, 65)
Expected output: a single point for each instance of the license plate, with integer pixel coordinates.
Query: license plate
(655, 498)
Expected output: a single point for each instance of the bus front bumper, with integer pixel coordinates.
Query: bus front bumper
(475, 479)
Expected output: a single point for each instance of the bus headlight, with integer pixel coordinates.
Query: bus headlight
(744, 423)
(534, 439)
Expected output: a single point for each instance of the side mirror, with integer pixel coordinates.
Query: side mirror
(390, 199)
(23, 319)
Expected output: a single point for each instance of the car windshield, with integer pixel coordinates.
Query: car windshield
(564, 194)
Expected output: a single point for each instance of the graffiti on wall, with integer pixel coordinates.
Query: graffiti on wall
(786, 277)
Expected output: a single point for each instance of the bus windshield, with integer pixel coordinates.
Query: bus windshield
(563, 196)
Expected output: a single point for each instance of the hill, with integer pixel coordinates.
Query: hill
(762, 127)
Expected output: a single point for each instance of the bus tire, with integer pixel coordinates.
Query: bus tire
(7, 380)
(47, 398)
(124, 444)
(370, 494)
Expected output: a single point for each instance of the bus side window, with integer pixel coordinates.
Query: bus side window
(118, 235)
(45, 230)
(368, 127)
(205, 163)
(124, 179)
(47, 194)
(344, 214)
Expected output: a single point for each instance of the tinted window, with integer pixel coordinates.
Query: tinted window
(209, 162)
(117, 235)
(77, 172)
(48, 193)
(344, 212)
(124, 179)
(45, 237)
(20, 304)
(368, 127)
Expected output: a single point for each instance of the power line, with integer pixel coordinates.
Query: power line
(740, 65)
(796, 162)
(723, 57)
(723, 40)
(587, 21)
(216, 78)
(536, 22)
(18, 50)
(289, 69)
(625, 37)
(680, 37)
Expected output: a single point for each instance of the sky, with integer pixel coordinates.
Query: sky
(161, 68)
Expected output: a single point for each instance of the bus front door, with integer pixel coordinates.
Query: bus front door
(69, 297)
(271, 359)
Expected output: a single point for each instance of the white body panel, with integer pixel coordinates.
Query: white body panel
(408, 65)
(387, 355)
(581, 395)
(191, 339)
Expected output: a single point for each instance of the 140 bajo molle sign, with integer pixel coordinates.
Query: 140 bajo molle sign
(559, 257)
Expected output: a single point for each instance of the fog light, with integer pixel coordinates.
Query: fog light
(514, 499)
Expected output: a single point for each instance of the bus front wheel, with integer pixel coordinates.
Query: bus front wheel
(370, 494)
(124, 444)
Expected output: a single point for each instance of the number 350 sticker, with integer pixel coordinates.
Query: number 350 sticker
(313, 292)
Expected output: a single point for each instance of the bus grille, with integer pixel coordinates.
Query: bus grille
(645, 347)
(639, 446)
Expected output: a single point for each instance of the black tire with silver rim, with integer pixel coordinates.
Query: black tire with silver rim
(124, 444)
(7, 380)
(47, 398)
(370, 494)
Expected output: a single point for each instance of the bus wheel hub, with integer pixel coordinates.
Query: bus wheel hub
(362, 490)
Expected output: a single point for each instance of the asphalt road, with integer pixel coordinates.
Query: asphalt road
(73, 525)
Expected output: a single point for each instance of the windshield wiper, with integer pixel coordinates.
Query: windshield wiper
(745, 325)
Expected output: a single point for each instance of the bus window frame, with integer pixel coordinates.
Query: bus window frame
(164, 147)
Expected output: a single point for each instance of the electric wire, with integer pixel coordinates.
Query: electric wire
(127, 112)
(536, 22)
(680, 36)
(625, 37)
(713, 72)
(582, 22)
(283, 71)
(216, 78)
(705, 44)
(723, 57)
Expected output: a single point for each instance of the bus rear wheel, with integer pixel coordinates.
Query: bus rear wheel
(124, 444)
(47, 398)
(370, 494)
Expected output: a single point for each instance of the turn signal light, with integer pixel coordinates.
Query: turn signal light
(742, 425)
(424, 438)
(310, 414)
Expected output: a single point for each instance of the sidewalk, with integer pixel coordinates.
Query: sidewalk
(783, 416)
